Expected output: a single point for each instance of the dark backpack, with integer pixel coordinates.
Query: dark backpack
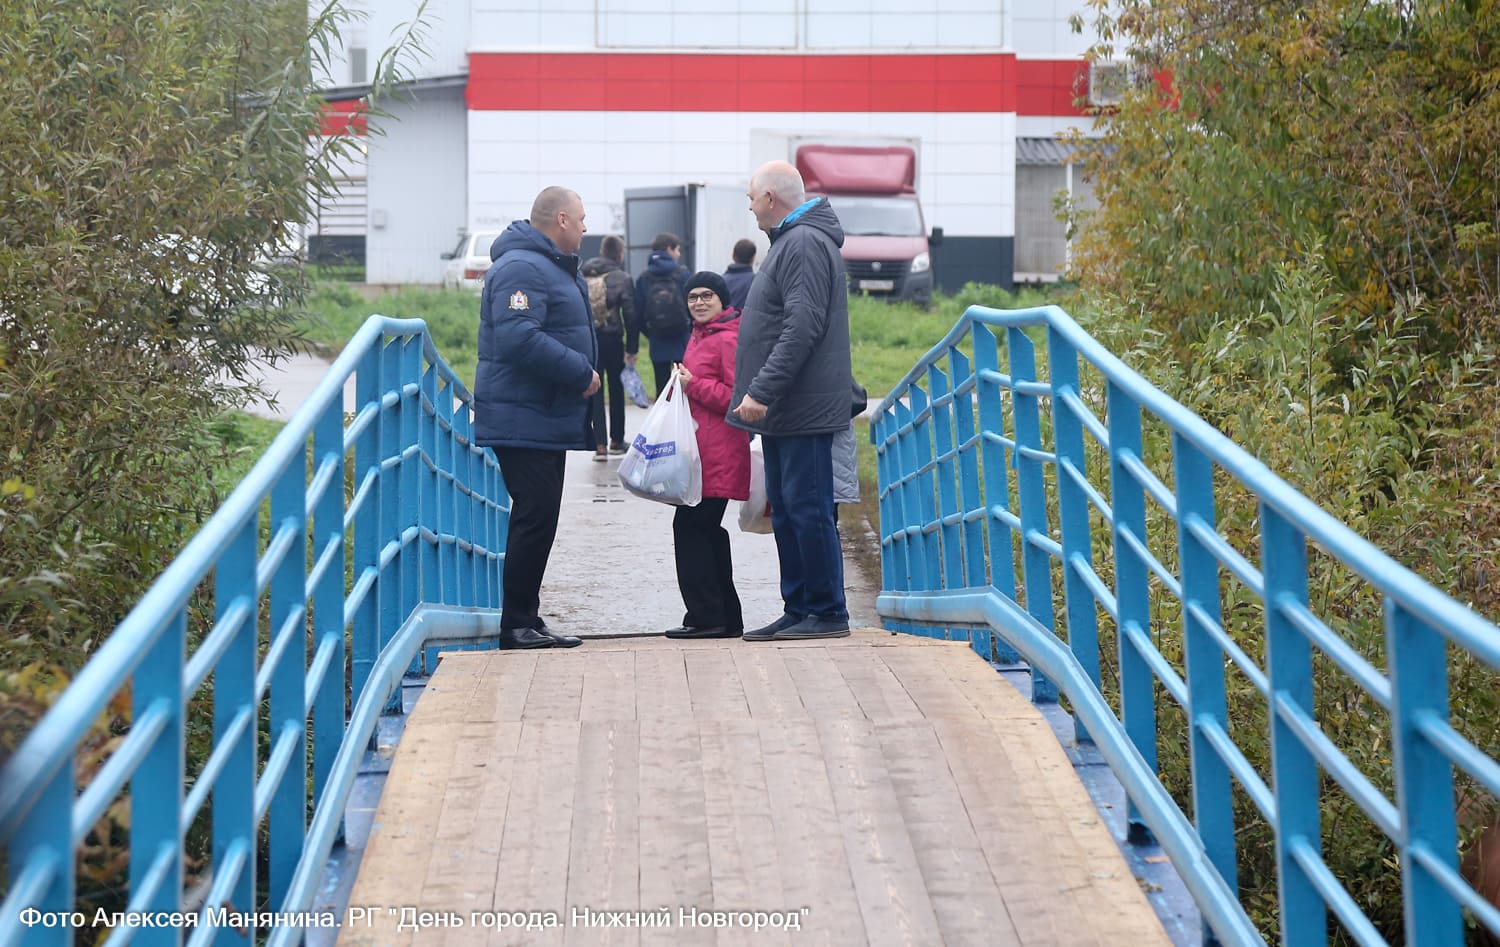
(665, 312)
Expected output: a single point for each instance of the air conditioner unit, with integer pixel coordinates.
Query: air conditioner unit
(1108, 82)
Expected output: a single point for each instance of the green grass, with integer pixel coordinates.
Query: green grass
(886, 339)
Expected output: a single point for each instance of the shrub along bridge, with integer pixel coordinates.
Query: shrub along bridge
(1055, 510)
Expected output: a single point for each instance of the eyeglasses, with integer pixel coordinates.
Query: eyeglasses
(701, 297)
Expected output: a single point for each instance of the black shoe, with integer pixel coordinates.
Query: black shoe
(526, 638)
(687, 631)
(616, 447)
(561, 641)
(769, 631)
(814, 627)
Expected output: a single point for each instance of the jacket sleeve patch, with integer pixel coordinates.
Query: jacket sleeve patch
(518, 300)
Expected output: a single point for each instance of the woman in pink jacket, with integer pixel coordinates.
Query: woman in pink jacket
(705, 574)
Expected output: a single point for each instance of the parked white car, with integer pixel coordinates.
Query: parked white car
(467, 262)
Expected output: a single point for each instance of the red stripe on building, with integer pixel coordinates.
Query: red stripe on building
(345, 117)
(704, 82)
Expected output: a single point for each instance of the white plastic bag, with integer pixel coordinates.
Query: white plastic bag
(755, 512)
(662, 463)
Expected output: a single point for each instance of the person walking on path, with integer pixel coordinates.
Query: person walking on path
(532, 391)
(700, 544)
(660, 301)
(741, 273)
(612, 300)
(792, 386)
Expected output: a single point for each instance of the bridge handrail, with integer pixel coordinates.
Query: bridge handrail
(410, 435)
(943, 569)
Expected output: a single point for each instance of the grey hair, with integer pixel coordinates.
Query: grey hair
(551, 202)
(782, 180)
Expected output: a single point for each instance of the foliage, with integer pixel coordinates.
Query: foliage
(1364, 129)
(153, 160)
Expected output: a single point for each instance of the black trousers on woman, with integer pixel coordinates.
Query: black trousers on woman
(705, 574)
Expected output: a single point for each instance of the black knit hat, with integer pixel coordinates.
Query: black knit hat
(707, 279)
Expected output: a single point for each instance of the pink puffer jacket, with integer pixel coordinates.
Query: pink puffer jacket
(725, 450)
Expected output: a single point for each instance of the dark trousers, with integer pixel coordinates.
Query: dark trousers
(663, 371)
(799, 485)
(609, 364)
(534, 479)
(705, 573)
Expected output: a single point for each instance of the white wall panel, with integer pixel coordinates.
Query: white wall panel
(838, 30)
(417, 189)
(966, 160)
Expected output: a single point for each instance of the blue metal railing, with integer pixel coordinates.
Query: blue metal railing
(326, 578)
(967, 469)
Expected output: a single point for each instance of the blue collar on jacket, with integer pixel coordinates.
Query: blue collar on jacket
(804, 208)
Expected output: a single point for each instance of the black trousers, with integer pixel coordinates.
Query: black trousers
(663, 372)
(705, 574)
(534, 479)
(609, 364)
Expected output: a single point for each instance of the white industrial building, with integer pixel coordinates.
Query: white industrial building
(608, 95)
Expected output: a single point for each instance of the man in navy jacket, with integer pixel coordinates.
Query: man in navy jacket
(531, 392)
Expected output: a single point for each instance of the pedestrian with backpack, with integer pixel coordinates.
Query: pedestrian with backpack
(612, 301)
(661, 303)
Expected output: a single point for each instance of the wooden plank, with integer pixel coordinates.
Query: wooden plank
(770, 692)
(813, 864)
(991, 695)
(609, 691)
(1056, 794)
(928, 684)
(662, 673)
(532, 872)
(1021, 850)
(714, 684)
(507, 685)
(674, 869)
(604, 864)
(887, 878)
(401, 836)
(965, 898)
(556, 686)
(877, 690)
(824, 693)
(741, 851)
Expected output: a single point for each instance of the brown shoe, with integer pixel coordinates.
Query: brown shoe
(600, 456)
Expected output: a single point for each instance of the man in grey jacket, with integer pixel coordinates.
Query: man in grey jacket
(792, 381)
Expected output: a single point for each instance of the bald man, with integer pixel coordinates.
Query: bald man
(792, 384)
(532, 393)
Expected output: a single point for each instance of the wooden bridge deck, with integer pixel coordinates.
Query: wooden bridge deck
(883, 789)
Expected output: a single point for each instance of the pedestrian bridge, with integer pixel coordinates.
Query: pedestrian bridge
(1040, 503)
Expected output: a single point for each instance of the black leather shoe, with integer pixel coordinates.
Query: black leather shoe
(687, 631)
(561, 641)
(814, 627)
(769, 631)
(617, 447)
(526, 638)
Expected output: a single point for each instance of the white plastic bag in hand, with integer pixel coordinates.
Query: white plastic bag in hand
(755, 513)
(662, 463)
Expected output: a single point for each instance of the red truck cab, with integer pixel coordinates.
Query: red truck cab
(887, 248)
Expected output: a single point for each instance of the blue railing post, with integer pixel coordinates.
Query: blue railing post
(1127, 499)
(494, 519)
(156, 794)
(996, 481)
(365, 629)
(913, 542)
(469, 528)
(891, 577)
(41, 861)
(388, 495)
(1036, 564)
(949, 516)
(429, 478)
(287, 660)
(1073, 514)
(235, 708)
(1418, 660)
(974, 515)
(409, 466)
(1289, 660)
(328, 593)
(446, 499)
(920, 443)
(1203, 659)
